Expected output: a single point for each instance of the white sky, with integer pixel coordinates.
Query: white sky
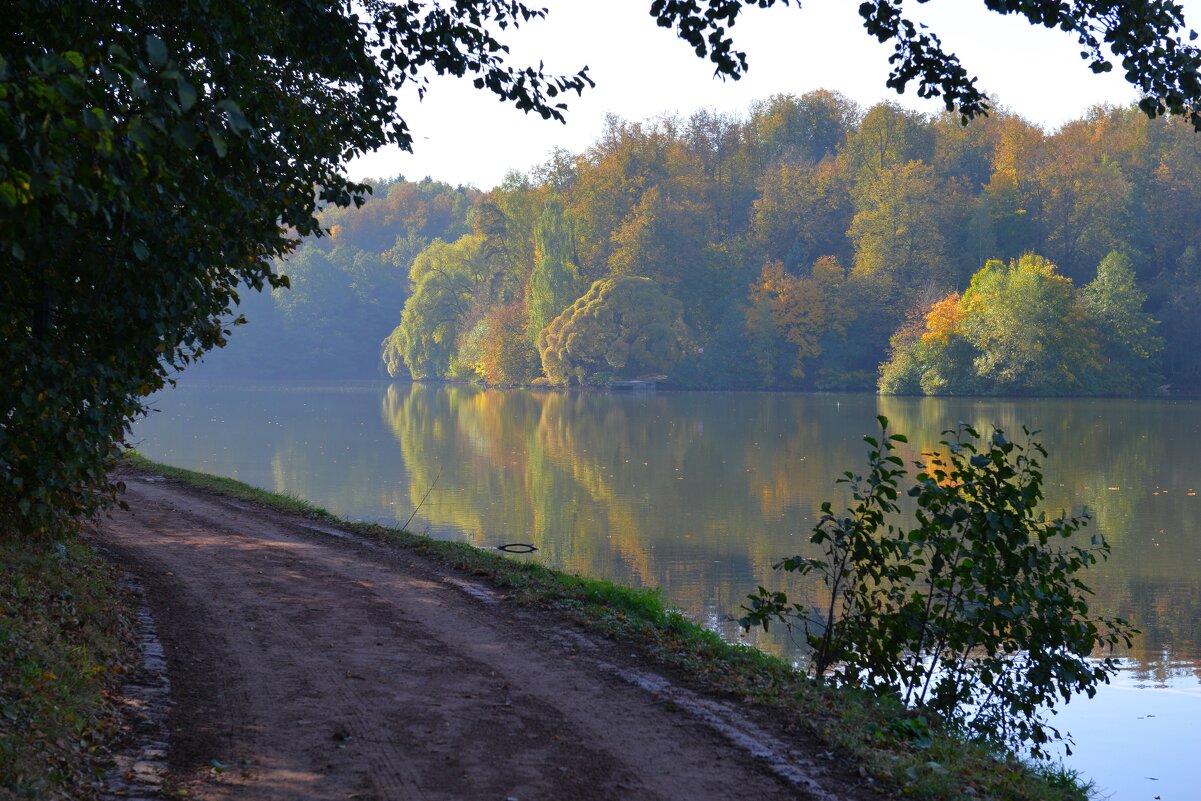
(466, 136)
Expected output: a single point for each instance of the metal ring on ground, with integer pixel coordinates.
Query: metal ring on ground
(517, 547)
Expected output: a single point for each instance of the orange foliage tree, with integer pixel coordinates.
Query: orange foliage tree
(506, 354)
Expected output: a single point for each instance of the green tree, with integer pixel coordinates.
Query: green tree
(318, 309)
(1129, 344)
(1031, 331)
(346, 290)
(555, 280)
(446, 280)
(966, 151)
(763, 342)
(506, 220)
(623, 326)
(864, 314)
(1179, 294)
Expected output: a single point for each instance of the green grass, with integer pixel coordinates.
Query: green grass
(903, 754)
(64, 642)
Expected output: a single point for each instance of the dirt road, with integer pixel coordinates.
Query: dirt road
(312, 664)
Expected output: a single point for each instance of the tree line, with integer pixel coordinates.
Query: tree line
(808, 244)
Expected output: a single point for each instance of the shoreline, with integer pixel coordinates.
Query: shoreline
(848, 724)
(666, 386)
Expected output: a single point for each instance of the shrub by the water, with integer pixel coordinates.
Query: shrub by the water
(974, 610)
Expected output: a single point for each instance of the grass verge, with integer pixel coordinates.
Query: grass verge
(903, 753)
(64, 641)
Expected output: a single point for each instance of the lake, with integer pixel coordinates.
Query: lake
(699, 493)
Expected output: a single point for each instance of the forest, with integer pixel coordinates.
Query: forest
(808, 244)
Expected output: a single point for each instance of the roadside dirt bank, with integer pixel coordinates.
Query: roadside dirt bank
(308, 663)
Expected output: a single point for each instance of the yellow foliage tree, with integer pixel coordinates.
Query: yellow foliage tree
(897, 228)
(788, 306)
(943, 321)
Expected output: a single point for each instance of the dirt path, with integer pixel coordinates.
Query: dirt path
(315, 665)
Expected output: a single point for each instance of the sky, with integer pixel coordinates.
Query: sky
(466, 136)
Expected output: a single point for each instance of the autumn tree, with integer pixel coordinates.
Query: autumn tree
(887, 136)
(897, 229)
(663, 236)
(1012, 197)
(788, 307)
(504, 356)
(1085, 202)
(1173, 204)
(669, 236)
(629, 159)
(901, 373)
(399, 209)
(721, 171)
(804, 130)
(623, 326)
(931, 353)
(1145, 39)
(1022, 327)
(802, 213)
(919, 231)
(963, 164)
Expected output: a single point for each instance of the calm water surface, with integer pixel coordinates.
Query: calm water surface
(700, 493)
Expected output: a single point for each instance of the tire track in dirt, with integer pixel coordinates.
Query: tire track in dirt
(316, 667)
